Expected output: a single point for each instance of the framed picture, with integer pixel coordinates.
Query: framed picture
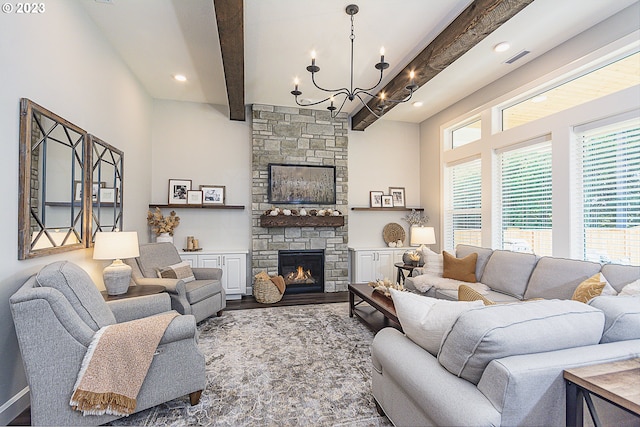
(194, 197)
(296, 184)
(387, 201)
(398, 196)
(213, 194)
(375, 199)
(77, 190)
(178, 191)
(107, 195)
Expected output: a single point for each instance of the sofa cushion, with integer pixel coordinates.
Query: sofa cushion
(425, 320)
(620, 275)
(463, 269)
(558, 277)
(201, 289)
(622, 317)
(483, 334)
(483, 256)
(78, 288)
(509, 272)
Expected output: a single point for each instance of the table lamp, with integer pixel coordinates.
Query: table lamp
(115, 246)
(422, 236)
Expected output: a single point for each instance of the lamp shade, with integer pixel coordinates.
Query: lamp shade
(423, 236)
(116, 245)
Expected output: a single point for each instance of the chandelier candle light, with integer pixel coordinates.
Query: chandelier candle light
(353, 93)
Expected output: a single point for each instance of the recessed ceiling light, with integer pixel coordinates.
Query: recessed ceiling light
(418, 104)
(539, 98)
(501, 47)
(180, 77)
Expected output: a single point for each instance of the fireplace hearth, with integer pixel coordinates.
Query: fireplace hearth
(302, 270)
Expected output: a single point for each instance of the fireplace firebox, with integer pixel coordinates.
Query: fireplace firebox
(302, 270)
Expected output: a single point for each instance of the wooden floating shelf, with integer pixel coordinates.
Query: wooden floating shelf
(155, 205)
(387, 209)
(301, 221)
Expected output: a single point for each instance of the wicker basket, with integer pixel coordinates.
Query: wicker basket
(266, 292)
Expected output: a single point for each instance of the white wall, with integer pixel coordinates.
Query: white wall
(385, 155)
(612, 29)
(60, 61)
(198, 142)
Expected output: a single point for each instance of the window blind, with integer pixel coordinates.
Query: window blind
(525, 198)
(463, 219)
(609, 161)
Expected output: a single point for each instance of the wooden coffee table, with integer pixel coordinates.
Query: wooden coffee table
(615, 382)
(374, 309)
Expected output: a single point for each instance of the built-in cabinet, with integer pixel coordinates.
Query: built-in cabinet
(369, 264)
(233, 265)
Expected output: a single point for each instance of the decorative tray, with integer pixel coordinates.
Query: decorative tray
(192, 250)
(393, 232)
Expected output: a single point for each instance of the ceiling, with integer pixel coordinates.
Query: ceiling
(160, 38)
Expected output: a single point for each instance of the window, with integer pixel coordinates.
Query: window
(462, 214)
(609, 162)
(525, 198)
(608, 79)
(465, 133)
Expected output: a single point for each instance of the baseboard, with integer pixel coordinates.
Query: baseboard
(14, 406)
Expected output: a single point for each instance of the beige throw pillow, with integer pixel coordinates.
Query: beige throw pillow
(463, 269)
(467, 293)
(181, 270)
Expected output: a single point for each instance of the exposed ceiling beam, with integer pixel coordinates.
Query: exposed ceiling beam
(230, 18)
(476, 22)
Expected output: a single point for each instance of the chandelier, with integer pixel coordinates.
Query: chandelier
(353, 93)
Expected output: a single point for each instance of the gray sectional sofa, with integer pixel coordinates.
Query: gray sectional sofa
(502, 365)
(513, 276)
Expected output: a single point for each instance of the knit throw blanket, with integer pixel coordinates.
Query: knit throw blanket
(116, 364)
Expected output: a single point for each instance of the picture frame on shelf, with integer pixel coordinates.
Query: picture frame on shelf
(375, 199)
(178, 189)
(213, 194)
(108, 195)
(95, 188)
(398, 197)
(387, 201)
(194, 197)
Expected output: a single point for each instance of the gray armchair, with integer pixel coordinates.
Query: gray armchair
(202, 297)
(56, 314)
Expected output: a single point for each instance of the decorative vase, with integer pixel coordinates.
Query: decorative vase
(164, 237)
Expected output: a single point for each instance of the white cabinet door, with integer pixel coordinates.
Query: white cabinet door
(365, 266)
(235, 272)
(210, 261)
(191, 259)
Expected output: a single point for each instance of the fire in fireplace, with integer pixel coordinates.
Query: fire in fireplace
(302, 270)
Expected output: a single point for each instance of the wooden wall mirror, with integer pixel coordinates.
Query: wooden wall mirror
(70, 184)
(107, 167)
(52, 215)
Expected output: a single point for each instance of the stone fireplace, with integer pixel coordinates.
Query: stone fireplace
(299, 136)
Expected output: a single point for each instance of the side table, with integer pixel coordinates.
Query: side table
(402, 266)
(615, 382)
(135, 291)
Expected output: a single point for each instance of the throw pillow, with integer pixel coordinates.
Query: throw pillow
(631, 289)
(433, 262)
(425, 320)
(592, 287)
(181, 270)
(463, 269)
(467, 293)
(279, 282)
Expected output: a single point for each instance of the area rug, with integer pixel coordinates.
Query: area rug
(306, 365)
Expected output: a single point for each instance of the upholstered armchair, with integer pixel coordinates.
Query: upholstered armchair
(58, 311)
(202, 297)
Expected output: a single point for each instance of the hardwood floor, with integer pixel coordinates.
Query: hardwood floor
(247, 302)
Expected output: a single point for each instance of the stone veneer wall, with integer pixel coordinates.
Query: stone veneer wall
(302, 137)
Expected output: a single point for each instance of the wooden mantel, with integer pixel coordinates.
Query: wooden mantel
(301, 221)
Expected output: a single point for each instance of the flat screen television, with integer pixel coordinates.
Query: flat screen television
(302, 184)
